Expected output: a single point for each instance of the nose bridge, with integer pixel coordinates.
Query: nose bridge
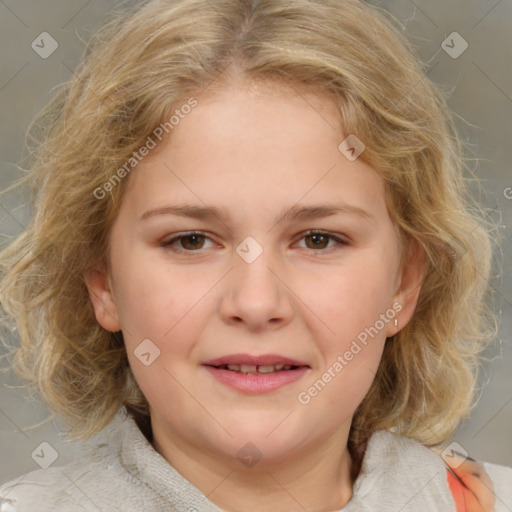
(255, 292)
(253, 268)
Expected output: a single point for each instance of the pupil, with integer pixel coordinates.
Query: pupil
(316, 237)
(194, 239)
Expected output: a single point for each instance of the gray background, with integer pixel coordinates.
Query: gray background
(480, 86)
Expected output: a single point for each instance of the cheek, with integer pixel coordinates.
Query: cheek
(359, 311)
(351, 303)
(169, 307)
(340, 386)
(152, 298)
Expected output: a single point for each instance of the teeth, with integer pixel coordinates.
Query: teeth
(268, 369)
(249, 368)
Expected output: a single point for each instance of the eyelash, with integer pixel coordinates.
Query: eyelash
(168, 244)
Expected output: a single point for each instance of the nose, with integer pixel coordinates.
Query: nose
(256, 294)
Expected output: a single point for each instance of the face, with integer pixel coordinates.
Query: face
(243, 284)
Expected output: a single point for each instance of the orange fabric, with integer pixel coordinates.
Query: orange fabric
(472, 491)
(457, 492)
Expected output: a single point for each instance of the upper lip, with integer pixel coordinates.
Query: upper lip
(247, 359)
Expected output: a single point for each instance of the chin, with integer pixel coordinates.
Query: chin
(271, 439)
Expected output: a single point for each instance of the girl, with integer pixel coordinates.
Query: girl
(254, 258)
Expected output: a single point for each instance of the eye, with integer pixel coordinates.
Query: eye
(191, 242)
(320, 238)
(194, 241)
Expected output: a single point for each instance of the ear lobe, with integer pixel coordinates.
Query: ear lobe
(411, 279)
(102, 298)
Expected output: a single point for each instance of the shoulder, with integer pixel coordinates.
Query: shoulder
(501, 478)
(398, 473)
(99, 480)
(387, 449)
(42, 489)
(500, 475)
(74, 487)
(425, 474)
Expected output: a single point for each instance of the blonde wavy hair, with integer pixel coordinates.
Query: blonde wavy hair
(135, 70)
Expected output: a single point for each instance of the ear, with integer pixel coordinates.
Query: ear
(410, 279)
(102, 298)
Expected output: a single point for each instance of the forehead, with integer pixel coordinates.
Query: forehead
(259, 144)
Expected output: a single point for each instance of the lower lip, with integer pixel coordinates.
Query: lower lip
(260, 383)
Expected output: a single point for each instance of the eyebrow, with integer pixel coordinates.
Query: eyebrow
(296, 212)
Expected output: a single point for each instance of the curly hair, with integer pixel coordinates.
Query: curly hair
(135, 70)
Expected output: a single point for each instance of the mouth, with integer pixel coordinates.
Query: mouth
(256, 369)
(266, 363)
(256, 374)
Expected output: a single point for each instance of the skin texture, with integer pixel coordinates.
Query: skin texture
(255, 150)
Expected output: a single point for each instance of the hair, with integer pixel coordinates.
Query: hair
(134, 72)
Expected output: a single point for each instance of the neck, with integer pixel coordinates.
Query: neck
(315, 478)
